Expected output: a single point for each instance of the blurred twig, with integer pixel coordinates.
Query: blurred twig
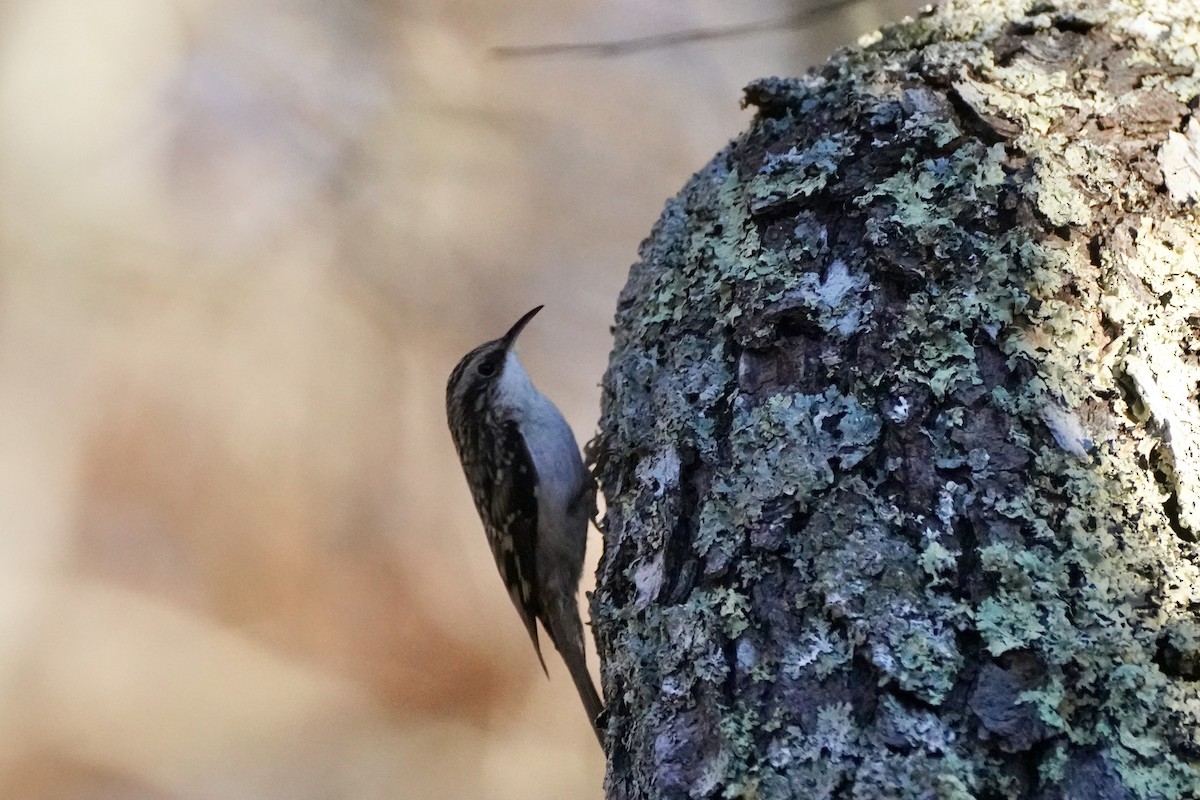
(637, 44)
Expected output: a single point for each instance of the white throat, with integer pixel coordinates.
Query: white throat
(516, 391)
(551, 444)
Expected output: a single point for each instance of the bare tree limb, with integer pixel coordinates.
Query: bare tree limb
(658, 41)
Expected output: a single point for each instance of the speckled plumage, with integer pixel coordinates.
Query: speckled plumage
(532, 493)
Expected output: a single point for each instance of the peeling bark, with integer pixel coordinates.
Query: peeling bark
(901, 443)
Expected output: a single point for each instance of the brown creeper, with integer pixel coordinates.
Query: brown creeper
(531, 491)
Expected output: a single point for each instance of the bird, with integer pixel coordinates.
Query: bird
(533, 494)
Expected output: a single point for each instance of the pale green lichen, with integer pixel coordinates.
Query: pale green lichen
(794, 174)
(769, 464)
(852, 465)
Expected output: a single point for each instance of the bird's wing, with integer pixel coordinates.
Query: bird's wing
(513, 525)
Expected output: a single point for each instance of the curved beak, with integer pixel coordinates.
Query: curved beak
(515, 331)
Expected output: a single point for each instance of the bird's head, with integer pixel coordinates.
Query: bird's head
(474, 380)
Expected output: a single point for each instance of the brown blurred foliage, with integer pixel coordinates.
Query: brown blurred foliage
(243, 243)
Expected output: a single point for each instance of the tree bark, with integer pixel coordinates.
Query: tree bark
(901, 443)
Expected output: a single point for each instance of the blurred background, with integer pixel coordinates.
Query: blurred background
(242, 244)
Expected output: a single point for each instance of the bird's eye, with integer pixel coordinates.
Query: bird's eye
(486, 369)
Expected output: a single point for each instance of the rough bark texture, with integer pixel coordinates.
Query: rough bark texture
(901, 443)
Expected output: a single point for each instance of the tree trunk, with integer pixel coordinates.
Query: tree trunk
(901, 443)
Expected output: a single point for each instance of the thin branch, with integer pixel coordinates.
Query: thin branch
(637, 44)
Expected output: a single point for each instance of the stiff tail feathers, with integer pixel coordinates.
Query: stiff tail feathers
(566, 632)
